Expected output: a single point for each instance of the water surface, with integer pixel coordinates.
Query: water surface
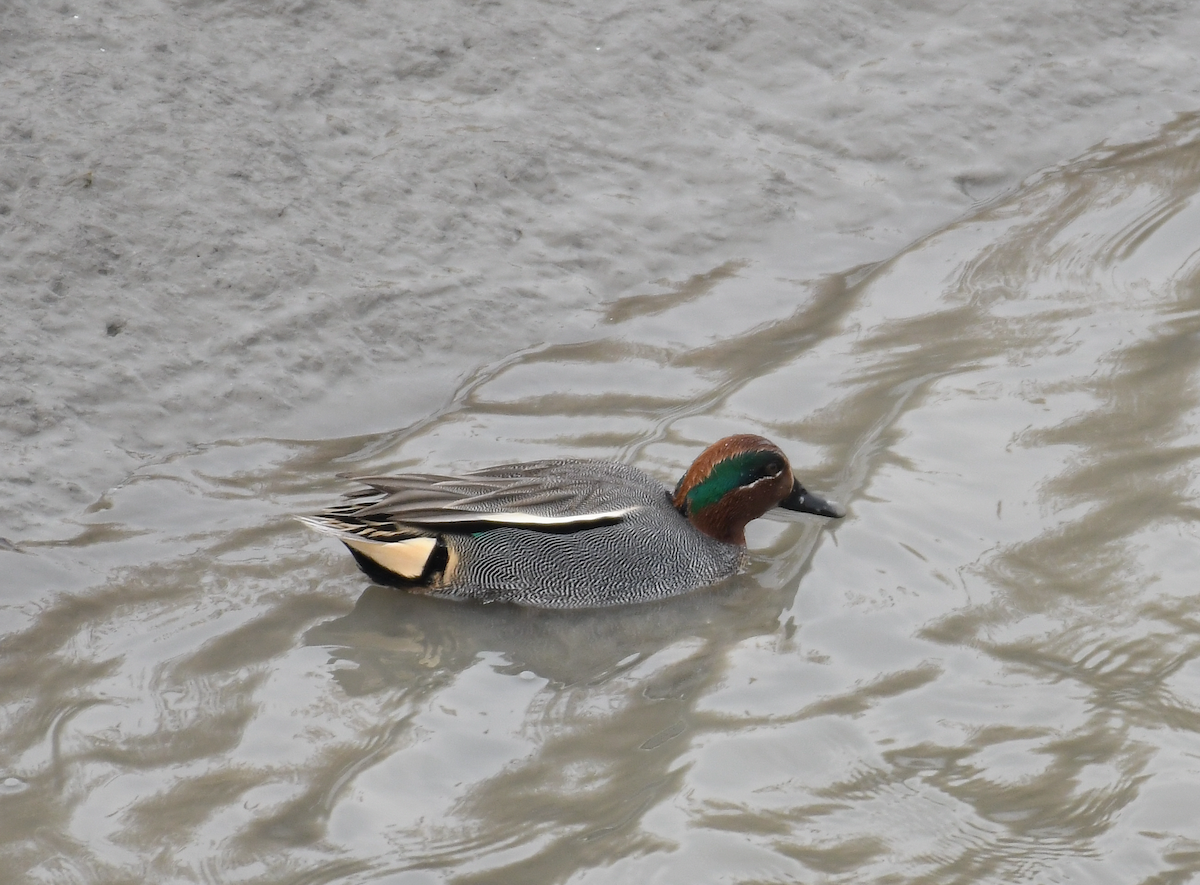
(986, 673)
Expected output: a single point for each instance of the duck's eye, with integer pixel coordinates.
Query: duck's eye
(774, 467)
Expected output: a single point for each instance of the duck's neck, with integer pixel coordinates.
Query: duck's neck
(714, 508)
(720, 522)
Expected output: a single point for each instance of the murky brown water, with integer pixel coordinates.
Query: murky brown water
(989, 672)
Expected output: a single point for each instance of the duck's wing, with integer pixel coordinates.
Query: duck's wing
(549, 496)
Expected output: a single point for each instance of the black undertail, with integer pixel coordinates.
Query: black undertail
(435, 566)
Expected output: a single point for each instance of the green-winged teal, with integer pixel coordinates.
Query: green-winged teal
(567, 533)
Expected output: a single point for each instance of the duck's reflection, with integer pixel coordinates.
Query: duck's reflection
(391, 634)
(612, 710)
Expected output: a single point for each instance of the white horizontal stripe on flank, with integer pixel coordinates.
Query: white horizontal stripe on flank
(531, 519)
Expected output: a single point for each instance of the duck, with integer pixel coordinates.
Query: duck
(567, 533)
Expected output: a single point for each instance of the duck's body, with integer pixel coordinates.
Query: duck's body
(567, 533)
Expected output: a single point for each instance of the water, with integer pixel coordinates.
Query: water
(946, 257)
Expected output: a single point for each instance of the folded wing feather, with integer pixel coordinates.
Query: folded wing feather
(539, 496)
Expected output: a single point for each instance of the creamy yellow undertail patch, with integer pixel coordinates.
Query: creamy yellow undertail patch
(404, 558)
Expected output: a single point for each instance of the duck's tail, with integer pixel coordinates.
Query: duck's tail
(390, 554)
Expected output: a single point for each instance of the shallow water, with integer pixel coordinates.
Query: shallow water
(826, 227)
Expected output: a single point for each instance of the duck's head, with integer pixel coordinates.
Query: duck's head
(738, 479)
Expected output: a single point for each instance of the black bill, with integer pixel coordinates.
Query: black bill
(801, 500)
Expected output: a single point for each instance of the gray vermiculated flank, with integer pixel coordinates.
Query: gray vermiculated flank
(634, 561)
